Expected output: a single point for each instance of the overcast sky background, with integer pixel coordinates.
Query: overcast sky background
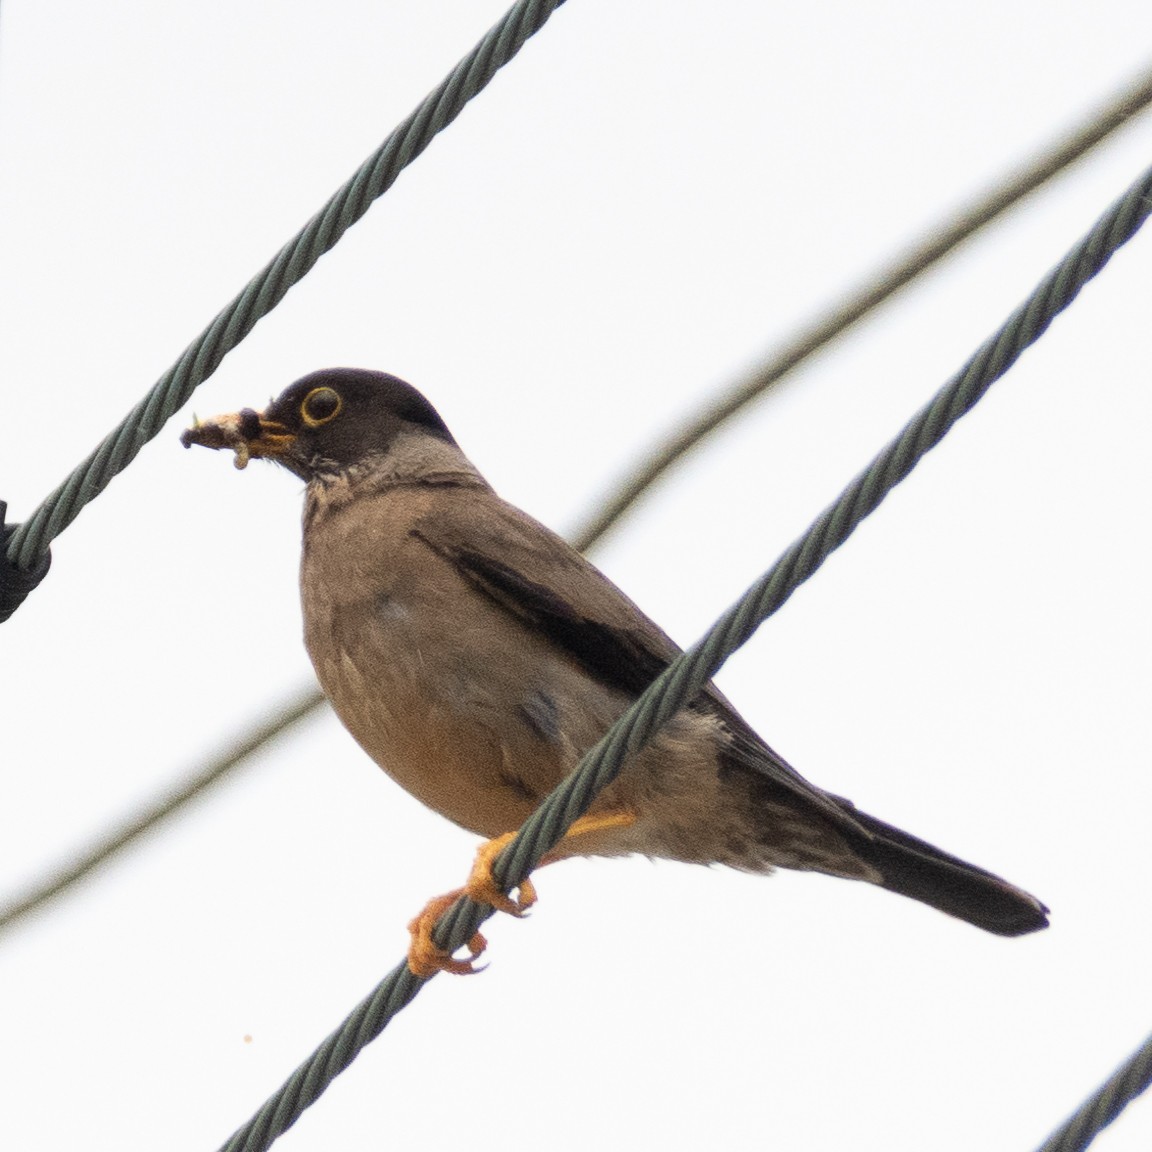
(643, 204)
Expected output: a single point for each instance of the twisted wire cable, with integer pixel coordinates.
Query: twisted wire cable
(30, 541)
(1105, 1104)
(684, 678)
(806, 342)
(680, 682)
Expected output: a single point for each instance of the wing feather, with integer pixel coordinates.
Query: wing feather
(540, 579)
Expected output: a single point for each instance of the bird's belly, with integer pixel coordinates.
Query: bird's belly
(479, 719)
(447, 730)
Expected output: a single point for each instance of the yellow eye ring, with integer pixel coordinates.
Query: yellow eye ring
(320, 406)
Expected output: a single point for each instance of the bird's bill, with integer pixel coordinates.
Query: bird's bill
(247, 432)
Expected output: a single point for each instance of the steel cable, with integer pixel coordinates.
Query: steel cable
(806, 342)
(695, 667)
(29, 542)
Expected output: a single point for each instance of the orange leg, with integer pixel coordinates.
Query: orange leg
(425, 958)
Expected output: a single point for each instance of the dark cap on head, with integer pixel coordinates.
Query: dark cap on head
(325, 423)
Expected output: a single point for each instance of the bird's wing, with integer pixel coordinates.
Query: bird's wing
(536, 576)
(531, 573)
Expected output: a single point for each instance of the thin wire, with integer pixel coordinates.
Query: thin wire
(836, 320)
(1105, 1104)
(844, 314)
(684, 678)
(159, 810)
(202, 357)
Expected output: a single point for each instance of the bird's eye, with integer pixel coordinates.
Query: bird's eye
(320, 406)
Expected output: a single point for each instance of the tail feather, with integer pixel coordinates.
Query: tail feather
(922, 872)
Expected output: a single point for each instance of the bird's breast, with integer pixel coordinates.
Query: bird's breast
(440, 687)
(476, 713)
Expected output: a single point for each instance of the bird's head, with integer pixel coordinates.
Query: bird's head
(325, 423)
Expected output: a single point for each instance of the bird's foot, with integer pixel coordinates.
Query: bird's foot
(425, 957)
(482, 887)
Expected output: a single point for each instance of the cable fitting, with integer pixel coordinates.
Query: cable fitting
(15, 584)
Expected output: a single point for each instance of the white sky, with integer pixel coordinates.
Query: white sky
(643, 204)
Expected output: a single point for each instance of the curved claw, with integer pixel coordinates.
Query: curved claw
(482, 888)
(425, 957)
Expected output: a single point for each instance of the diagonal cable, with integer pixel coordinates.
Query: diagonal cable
(1105, 1104)
(885, 282)
(806, 342)
(84, 860)
(688, 674)
(29, 543)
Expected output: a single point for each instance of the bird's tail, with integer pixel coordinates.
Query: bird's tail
(916, 869)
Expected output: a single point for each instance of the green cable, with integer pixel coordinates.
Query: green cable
(819, 332)
(29, 542)
(695, 667)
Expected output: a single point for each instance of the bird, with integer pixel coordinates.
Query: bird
(475, 656)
